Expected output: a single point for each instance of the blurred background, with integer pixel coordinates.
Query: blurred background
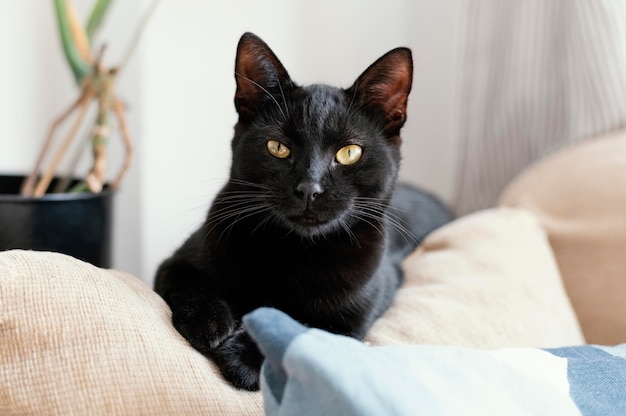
(179, 88)
(496, 86)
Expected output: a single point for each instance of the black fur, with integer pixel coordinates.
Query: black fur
(305, 233)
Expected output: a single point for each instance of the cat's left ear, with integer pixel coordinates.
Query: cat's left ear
(384, 88)
(258, 73)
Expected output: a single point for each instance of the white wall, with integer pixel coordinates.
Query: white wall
(180, 88)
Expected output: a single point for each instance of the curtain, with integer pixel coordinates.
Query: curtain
(535, 75)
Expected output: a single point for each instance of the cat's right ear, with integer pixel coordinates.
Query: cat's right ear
(384, 88)
(259, 75)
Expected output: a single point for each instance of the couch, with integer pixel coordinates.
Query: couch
(519, 307)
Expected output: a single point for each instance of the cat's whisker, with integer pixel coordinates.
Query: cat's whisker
(354, 93)
(262, 88)
(227, 213)
(407, 235)
(376, 211)
(369, 219)
(230, 201)
(233, 209)
(353, 111)
(248, 183)
(240, 215)
(233, 204)
(239, 197)
(236, 197)
(264, 221)
(350, 233)
(246, 192)
(282, 94)
(350, 110)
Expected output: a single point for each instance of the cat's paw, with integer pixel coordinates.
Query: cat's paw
(239, 360)
(205, 323)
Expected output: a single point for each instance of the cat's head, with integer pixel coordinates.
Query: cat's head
(319, 158)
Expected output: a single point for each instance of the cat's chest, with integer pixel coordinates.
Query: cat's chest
(277, 257)
(267, 260)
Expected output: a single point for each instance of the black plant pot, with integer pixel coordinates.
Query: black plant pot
(77, 224)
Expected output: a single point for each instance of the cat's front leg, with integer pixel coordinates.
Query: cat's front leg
(208, 324)
(239, 360)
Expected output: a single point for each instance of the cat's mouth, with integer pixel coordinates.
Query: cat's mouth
(313, 220)
(307, 219)
(310, 224)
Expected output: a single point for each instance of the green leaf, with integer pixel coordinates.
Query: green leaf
(97, 16)
(80, 68)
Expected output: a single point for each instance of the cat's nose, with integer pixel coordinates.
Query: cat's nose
(309, 190)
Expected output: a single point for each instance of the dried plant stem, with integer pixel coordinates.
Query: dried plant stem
(29, 184)
(48, 175)
(63, 184)
(95, 178)
(118, 108)
(99, 137)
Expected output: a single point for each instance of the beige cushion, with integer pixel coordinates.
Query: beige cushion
(78, 340)
(579, 195)
(487, 280)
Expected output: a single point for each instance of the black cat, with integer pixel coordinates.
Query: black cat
(303, 224)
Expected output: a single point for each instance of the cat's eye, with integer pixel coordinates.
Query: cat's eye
(278, 149)
(348, 155)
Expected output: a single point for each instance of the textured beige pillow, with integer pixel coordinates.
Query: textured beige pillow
(77, 340)
(487, 280)
(579, 195)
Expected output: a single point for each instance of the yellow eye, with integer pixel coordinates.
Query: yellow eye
(278, 149)
(349, 154)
